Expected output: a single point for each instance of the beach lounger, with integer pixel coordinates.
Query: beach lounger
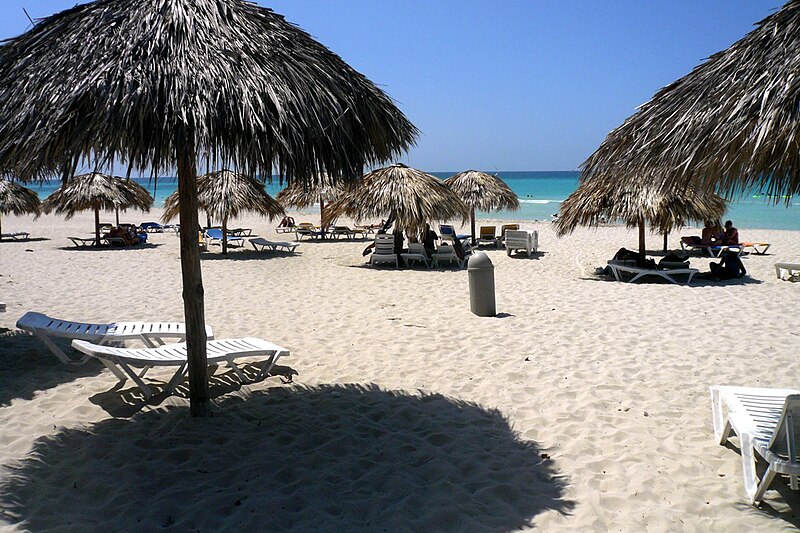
(487, 236)
(81, 242)
(713, 251)
(260, 244)
(122, 361)
(416, 253)
(504, 228)
(342, 231)
(214, 236)
(448, 233)
(767, 422)
(792, 269)
(384, 250)
(447, 254)
(15, 236)
(527, 241)
(152, 334)
(240, 232)
(620, 269)
(758, 248)
(306, 229)
(151, 227)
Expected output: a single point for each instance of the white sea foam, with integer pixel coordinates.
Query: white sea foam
(523, 201)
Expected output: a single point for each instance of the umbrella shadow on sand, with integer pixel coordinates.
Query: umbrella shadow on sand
(124, 400)
(326, 458)
(27, 367)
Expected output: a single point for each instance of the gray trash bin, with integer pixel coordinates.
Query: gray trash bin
(481, 285)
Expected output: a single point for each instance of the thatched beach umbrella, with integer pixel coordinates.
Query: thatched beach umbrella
(483, 191)
(14, 198)
(323, 190)
(161, 84)
(95, 191)
(596, 199)
(730, 124)
(409, 197)
(226, 195)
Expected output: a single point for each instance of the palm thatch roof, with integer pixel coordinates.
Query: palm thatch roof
(164, 84)
(225, 195)
(96, 191)
(731, 123)
(595, 200)
(139, 79)
(409, 196)
(14, 198)
(483, 191)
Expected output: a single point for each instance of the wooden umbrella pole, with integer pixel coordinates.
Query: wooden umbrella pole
(224, 235)
(642, 249)
(193, 296)
(472, 225)
(96, 226)
(666, 235)
(321, 215)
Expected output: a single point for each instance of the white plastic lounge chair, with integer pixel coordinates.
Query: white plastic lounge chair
(669, 275)
(767, 422)
(152, 334)
(384, 250)
(487, 236)
(528, 241)
(446, 253)
(342, 231)
(240, 232)
(713, 251)
(261, 244)
(791, 269)
(758, 248)
(121, 360)
(15, 236)
(416, 253)
(214, 236)
(307, 229)
(80, 242)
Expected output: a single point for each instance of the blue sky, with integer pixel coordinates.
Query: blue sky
(507, 84)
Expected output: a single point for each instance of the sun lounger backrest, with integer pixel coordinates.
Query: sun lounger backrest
(415, 248)
(447, 230)
(517, 238)
(384, 244)
(488, 231)
(787, 430)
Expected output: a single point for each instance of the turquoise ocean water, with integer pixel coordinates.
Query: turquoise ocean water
(541, 194)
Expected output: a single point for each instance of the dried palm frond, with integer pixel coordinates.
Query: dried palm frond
(730, 124)
(409, 196)
(99, 192)
(140, 79)
(225, 195)
(483, 191)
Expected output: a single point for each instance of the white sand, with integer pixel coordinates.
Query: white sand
(406, 412)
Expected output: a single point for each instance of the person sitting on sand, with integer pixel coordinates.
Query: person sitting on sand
(730, 267)
(730, 235)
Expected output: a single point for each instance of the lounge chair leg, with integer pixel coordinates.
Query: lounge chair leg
(749, 467)
(120, 375)
(58, 352)
(148, 392)
(763, 485)
(176, 379)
